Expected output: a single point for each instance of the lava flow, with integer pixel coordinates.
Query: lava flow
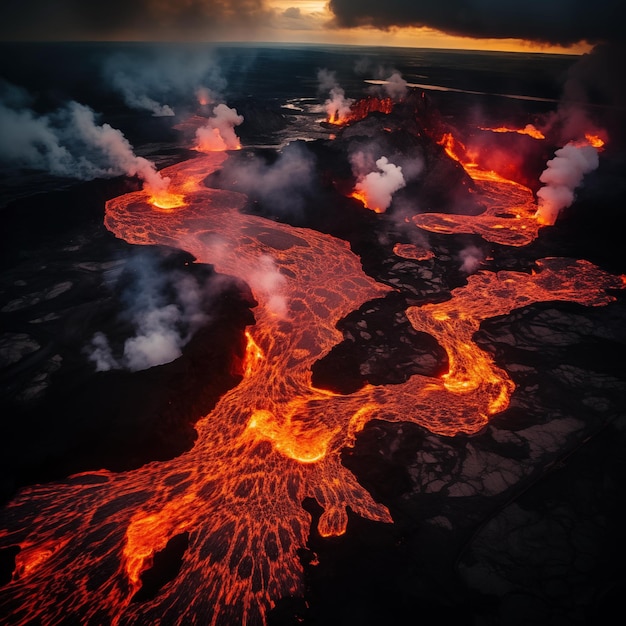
(271, 441)
(510, 215)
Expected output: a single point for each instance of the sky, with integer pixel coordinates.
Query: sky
(562, 26)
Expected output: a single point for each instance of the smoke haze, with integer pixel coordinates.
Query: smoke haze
(160, 77)
(395, 86)
(282, 185)
(471, 257)
(165, 308)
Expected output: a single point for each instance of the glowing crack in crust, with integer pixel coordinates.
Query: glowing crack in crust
(270, 442)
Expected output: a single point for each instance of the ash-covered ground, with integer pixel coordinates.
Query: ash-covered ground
(517, 524)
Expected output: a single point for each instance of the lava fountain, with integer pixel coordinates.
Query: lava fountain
(270, 442)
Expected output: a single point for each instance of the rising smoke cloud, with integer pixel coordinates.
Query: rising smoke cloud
(395, 86)
(573, 126)
(392, 84)
(137, 99)
(165, 308)
(337, 105)
(471, 258)
(377, 187)
(219, 132)
(69, 142)
(563, 174)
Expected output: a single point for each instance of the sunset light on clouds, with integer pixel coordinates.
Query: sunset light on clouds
(312, 21)
(562, 27)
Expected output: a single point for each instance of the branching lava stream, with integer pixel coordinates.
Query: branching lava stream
(270, 442)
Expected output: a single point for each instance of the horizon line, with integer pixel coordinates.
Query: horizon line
(279, 44)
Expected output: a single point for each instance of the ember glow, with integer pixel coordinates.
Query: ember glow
(275, 439)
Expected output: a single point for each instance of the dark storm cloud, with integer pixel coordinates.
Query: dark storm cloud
(554, 21)
(147, 19)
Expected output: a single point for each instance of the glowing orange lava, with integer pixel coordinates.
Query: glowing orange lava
(510, 211)
(412, 251)
(529, 130)
(453, 147)
(362, 197)
(253, 355)
(270, 442)
(167, 201)
(595, 140)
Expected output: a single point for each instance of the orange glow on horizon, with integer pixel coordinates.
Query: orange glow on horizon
(273, 23)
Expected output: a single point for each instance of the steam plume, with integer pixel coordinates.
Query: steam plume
(377, 187)
(395, 86)
(164, 308)
(219, 132)
(337, 106)
(593, 73)
(471, 257)
(563, 174)
(69, 142)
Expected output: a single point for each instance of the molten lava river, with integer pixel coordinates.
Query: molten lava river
(274, 439)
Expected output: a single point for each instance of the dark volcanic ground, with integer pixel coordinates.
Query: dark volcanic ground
(518, 524)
